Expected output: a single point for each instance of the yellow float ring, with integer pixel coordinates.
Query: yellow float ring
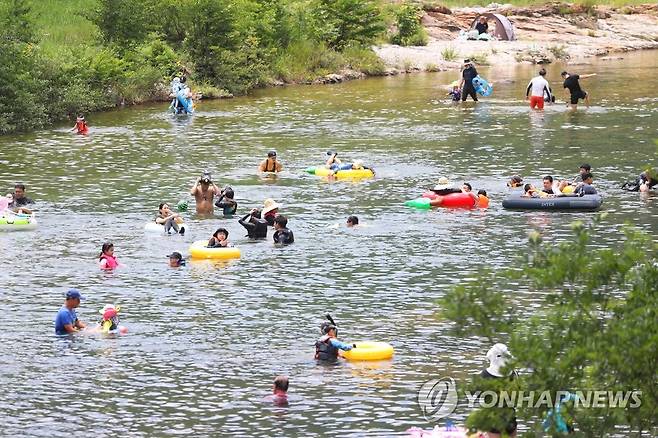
(199, 250)
(345, 174)
(568, 189)
(369, 350)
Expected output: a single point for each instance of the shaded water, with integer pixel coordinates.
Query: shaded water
(206, 341)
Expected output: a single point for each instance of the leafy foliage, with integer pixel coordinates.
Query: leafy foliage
(410, 31)
(596, 329)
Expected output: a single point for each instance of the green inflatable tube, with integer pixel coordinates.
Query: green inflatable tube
(421, 203)
(310, 170)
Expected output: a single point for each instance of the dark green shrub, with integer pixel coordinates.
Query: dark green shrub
(410, 31)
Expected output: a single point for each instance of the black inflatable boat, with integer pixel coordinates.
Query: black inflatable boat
(564, 202)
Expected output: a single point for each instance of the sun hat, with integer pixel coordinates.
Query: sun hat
(109, 307)
(269, 205)
(443, 183)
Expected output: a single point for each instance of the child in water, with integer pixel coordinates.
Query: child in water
(106, 259)
(80, 125)
(456, 93)
(326, 348)
(110, 320)
(226, 202)
(219, 239)
(483, 199)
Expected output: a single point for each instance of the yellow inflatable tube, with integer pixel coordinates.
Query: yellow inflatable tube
(351, 173)
(369, 350)
(199, 250)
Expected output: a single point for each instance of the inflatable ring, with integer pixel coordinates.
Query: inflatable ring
(587, 202)
(342, 174)
(153, 227)
(199, 250)
(17, 222)
(369, 350)
(452, 200)
(482, 87)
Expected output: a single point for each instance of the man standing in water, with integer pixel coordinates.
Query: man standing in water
(204, 192)
(539, 86)
(67, 319)
(574, 91)
(466, 83)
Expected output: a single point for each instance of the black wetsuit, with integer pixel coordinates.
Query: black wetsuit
(468, 89)
(574, 88)
(256, 227)
(283, 236)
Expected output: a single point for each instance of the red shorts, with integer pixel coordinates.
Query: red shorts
(537, 101)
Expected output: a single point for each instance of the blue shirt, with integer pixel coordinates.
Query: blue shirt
(340, 345)
(64, 316)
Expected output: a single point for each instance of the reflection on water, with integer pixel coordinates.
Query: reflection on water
(206, 340)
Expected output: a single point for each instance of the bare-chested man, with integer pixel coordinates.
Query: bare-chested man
(204, 192)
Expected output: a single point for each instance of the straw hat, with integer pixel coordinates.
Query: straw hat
(442, 184)
(269, 205)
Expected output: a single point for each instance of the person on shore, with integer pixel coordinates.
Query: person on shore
(219, 239)
(255, 226)
(444, 187)
(327, 346)
(282, 235)
(270, 210)
(352, 221)
(169, 219)
(482, 26)
(574, 92)
(227, 202)
(176, 260)
(19, 200)
(498, 355)
(106, 259)
(204, 192)
(270, 164)
(67, 320)
(466, 84)
(80, 125)
(586, 187)
(538, 89)
(279, 396)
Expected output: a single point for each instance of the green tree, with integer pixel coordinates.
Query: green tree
(410, 31)
(596, 328)
(341, 23)
(126, 22)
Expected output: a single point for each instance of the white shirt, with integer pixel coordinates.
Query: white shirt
(539, 85)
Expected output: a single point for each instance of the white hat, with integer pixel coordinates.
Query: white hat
(497, 355)
(269, 205)
(108, 307)
(443, 184)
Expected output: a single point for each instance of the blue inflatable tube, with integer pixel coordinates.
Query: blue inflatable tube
(185, 101)
(482, 87)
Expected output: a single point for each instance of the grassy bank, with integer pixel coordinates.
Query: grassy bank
(62, 57)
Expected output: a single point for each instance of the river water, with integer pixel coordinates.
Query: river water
(206, 341)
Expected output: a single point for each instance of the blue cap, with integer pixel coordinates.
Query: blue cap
(74, 293)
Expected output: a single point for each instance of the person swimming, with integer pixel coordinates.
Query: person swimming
(106, 259)
(226, 202)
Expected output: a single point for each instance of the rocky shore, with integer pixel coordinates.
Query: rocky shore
(546, 33)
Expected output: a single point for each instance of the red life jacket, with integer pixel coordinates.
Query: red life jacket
(81, 126)
(111, 261)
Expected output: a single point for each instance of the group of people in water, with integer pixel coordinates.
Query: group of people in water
(580, 185)
(537, 92)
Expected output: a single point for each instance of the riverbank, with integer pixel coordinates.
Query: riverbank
(545, 34)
